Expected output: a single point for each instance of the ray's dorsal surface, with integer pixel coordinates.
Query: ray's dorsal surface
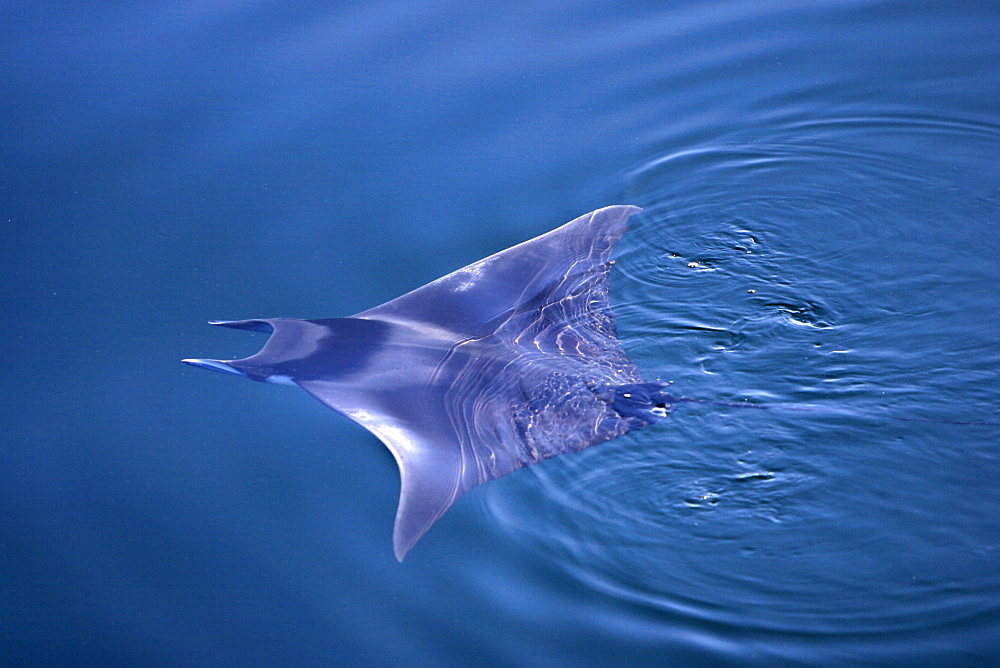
(496, 366)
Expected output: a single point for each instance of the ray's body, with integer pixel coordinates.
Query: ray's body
(496, 366)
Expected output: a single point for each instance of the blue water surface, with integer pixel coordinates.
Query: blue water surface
(821, 229)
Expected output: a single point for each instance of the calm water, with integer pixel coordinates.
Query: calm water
(821, 228)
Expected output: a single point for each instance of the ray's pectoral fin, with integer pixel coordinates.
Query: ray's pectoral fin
(215, 365)
(547, 267)
(430, 481)
(434, 469)
(486, 370)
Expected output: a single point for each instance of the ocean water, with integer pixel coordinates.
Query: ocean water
(821, 230)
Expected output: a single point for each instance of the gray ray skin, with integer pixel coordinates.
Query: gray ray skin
(499, 365)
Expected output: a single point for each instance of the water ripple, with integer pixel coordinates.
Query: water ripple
(766, 268)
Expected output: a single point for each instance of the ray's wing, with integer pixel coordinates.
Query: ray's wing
(435, 467)
(433, 373)
(473, 301)
(385, 377)
(571, 317)
(546, 295)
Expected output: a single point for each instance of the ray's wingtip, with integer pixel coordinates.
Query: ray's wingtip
(400, 551)
(214, 365)
(615, 214)
(254, 325)
(628, 209)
